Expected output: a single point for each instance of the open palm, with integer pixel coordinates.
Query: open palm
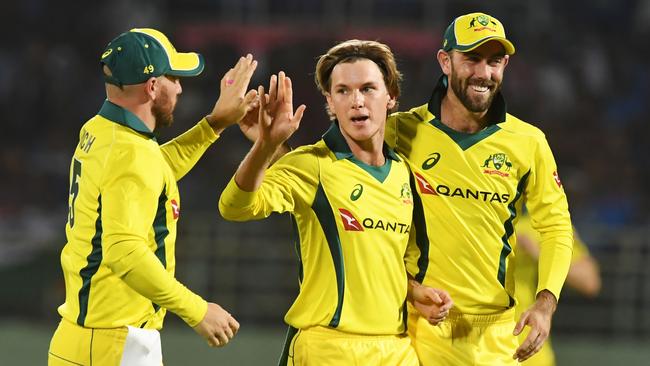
(234, 102)
(277, 120)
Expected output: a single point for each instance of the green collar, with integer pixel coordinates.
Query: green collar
(496, 113)
(117, 114)
(337, 144)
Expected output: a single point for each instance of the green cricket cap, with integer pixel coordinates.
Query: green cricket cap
(135, 56)
(469, 31)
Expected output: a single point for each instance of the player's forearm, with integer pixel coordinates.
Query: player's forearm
(250, 174)
(185, 150)
(411, 287)
(143, 272)
(281, 151)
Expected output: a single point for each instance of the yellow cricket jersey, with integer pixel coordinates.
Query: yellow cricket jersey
(468, 192)
(353, 222)
(118, 262)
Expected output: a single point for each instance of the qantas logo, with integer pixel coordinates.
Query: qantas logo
(425, 187)
(443, 190)
(176, 209)
(485, 196)
(350, 223)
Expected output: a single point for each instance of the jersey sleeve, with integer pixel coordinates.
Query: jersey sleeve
(128, 206)
(290, 182)
(184, 151)
(549, 212)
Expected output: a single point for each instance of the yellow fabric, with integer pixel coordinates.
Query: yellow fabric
(324, 347)
(464, 339)
(118, 262)
(179, 61)
(75, 345)
(526, 285)
(470, 203)
(319, 190)
(473, 30)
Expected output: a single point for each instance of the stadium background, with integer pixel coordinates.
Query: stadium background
(580, 73)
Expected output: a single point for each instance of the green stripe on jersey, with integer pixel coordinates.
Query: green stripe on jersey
(421, 237)
(93, 261)
(160, 228)
(160, 233)
(324, 213)
(296, 243)
(509, 230)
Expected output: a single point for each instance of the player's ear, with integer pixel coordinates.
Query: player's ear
(151, 87)
(391, 103)
(444, 59)
(330, 106)
(330, 103)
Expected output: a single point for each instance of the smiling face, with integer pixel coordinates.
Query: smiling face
(359, 99)
(475, 76)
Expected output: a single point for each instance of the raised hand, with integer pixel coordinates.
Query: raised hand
(277, 120)
(218, 327)
(249, 124)
(234, 102)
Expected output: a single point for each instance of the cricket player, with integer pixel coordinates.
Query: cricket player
(473, 166)
(351, 204)
(583, 276)
(118, 262)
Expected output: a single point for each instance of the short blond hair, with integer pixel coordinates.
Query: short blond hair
(353, 50)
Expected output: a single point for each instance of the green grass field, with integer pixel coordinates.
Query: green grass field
(24, 343)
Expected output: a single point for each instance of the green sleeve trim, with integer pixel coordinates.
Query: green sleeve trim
(93, 261)
(323, 210)
(296, 243)
(509, 230)
(160, 233)
(421, 236)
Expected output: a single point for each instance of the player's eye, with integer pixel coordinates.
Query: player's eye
(495, 61)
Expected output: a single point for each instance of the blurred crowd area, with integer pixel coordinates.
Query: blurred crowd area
(580, 74)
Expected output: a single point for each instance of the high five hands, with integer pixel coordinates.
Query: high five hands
(277, 120)
(234, 102)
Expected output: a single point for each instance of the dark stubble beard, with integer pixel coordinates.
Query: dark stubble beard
(460, 89)
(163, 111)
